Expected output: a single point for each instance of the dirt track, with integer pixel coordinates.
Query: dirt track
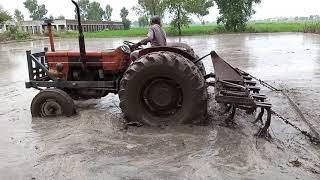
(95, 145)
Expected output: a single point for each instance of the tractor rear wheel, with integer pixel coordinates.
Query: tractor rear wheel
(162, 88)
(52, 102)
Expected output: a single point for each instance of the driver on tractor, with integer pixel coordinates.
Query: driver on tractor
(156, 36)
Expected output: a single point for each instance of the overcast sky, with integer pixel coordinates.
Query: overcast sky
(267, 9)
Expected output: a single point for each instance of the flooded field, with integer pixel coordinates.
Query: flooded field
(95, 145)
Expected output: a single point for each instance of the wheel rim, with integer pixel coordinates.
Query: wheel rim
(162, 97)
(51, 108)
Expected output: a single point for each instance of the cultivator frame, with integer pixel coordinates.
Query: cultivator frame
(235, 89)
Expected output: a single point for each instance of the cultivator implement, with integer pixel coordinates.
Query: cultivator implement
(236, 90)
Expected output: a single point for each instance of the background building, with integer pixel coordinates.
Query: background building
(38, 27)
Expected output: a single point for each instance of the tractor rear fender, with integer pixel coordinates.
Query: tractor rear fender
(167, 49)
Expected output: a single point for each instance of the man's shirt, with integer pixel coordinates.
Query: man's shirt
(156, 36)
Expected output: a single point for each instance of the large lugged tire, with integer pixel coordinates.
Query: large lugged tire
(52, 102)
(163, 88)
(188, 49)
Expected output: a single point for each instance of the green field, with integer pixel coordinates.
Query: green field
(253, 27)
(133, 32)
(275, 27)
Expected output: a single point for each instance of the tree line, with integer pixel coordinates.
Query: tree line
(233, 13)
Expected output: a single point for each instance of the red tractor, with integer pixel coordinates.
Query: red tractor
(165, 84)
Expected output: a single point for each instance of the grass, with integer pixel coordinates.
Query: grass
(14, 35)
(133, 32)
(275, 27)
(253, 27)
(312, 27)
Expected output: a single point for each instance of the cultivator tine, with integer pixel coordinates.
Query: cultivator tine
(230, 119)
(236, 89)
(259, 118)
(228, 108)
(263, 132)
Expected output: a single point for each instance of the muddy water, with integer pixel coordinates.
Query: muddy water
(95, 145)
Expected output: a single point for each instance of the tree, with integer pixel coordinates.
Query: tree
(181, 9)
(143, 21)
(18, 16)
(4, 15)
(42, 11)
(200, 8)
(37, 12)
(123, 14)
(95, 12)
(61, 17)
(150, 7)
(108, 12)
(83, 5)
(235, 13)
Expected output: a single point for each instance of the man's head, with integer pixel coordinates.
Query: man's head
(155, 20)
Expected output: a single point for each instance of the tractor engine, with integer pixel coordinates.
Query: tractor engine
(101, 68)
(97, 66)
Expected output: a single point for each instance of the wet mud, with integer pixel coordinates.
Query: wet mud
(95, 144)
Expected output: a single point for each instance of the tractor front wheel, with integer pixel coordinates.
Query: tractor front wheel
(52, 102)
(163, 88)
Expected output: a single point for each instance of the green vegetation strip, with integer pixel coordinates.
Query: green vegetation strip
(256, 27)
(253, 27)
(134, 32)
(275, 27)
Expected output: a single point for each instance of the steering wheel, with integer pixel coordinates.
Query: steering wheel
(129, 43)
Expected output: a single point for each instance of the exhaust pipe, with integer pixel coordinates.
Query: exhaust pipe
(81, 37)
(49, 22)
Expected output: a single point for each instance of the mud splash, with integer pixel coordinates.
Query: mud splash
(95, 145)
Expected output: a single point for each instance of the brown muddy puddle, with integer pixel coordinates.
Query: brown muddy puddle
(95, 145)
